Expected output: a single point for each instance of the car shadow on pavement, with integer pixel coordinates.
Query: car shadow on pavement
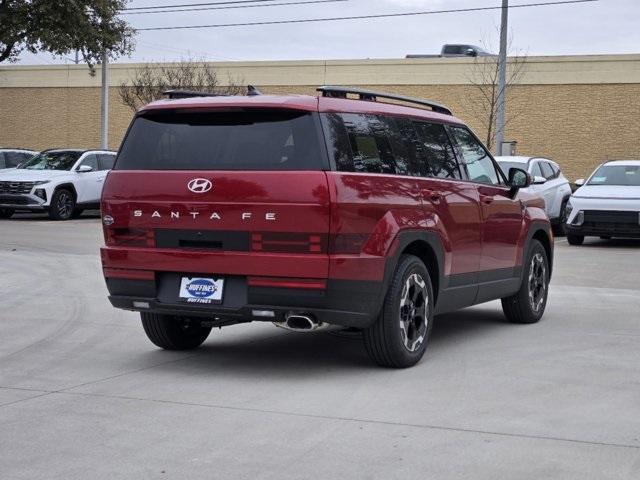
(305, 354)
(614, 242)
(35, 217)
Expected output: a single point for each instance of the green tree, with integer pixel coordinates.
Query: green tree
(90, 27)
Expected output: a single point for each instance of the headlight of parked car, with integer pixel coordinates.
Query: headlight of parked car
(569, 208)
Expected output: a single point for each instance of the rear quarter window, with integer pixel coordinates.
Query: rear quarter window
(237, 140)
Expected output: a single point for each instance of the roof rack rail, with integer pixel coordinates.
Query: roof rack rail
(369, 95)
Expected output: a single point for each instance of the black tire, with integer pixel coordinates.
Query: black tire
(77, 213)
(63, 203)
(174, 333)
(386, 341)
(528, 305)
(6, 212)
(575, 239)
(605, 237)
(560, 228)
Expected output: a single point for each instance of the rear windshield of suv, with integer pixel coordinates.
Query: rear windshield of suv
(237, 140)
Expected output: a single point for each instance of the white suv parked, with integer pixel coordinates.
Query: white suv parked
(548, 183)
(606, 205)
(60, 182)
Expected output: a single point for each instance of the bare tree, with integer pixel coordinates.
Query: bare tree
(484, 80)
(150, 81)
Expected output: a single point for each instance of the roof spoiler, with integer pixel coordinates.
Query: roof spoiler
(371, 96)
(176, 94)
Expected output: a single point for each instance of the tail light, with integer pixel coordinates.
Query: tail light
(129, 237)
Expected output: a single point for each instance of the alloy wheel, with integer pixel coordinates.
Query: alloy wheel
(65, 205)
(414, 304)
(537, 282)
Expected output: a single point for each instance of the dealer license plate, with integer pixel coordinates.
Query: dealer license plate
(201, 290)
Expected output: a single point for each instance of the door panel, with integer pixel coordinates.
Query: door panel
(502, 225)
(501, 216)
(89, 184)
(456, 206)
(452, 202)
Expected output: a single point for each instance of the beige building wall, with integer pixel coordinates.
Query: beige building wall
(576, 110)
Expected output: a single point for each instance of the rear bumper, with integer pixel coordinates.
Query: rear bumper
(343, 302)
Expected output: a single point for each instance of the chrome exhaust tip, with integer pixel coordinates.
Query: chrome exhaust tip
(300, 322)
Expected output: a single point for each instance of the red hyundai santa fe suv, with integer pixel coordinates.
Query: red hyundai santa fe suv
(316, 211)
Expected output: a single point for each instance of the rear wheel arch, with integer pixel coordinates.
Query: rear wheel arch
(427, 246)
(425, 252)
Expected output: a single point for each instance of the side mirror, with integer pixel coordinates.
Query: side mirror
(84, 169)
(470, 52)
(539, 180)
(579, 182)
(518, 179)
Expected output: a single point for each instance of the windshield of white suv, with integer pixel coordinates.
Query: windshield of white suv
(621, 175)
(62, 160)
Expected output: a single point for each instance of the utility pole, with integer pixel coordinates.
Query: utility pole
(502, 77)
(104, 106)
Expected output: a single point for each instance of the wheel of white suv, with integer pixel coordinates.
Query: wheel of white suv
(528, 305)
(560, 229)
(400, 335)
(6, 212)
(575, 239)
(172, 332)
(63, 204)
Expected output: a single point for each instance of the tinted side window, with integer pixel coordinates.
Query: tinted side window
(91, 161)
(547, 172)
(106, 161)
(404, 144)
(370, 144)
(436, 151)
(536, 171)
(477, 160)
(2, 161)
(337, 141)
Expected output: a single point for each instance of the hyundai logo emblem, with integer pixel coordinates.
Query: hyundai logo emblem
(199, 185)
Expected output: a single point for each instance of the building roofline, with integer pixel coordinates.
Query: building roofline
(564, 69)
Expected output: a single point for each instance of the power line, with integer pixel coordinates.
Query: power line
(360, 17)
(153, 7)
(229, 7)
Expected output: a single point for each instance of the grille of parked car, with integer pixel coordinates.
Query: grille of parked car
(610, 216)
(16, 187)
(606, 222)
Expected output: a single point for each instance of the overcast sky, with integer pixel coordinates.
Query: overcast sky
(606, 26)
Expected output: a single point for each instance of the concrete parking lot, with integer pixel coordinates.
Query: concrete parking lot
(84, 394)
